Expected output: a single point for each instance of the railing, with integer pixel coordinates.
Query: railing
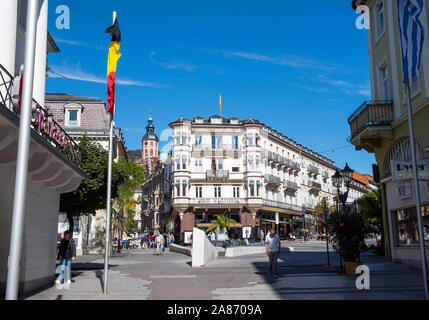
(215, 147)
(217, 201)
(42, 121)
(272, 179)
(371, 113)
(290, 185)
(6, 84)
(283, 205)
(325, 174)
(313, 169)
(314, 185)
(294, 165)
(217, 174)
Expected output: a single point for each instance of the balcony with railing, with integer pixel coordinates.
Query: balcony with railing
(217, 174)
(313, 169)
(325, 175)
(273, 180)
(315, 186)
(371, 114)
(215, 147)
(217, 202)
(283, 205)
(290, 185)
(42, 122)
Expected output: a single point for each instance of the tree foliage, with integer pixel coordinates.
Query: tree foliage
(92, 192)
(222, 221)
(124, 201)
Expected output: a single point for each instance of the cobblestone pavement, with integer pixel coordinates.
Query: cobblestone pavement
(303, 274)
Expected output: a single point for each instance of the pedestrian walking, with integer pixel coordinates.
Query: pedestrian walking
(159, 243)
(262, 236)
(66, 254)
(272, 245)
(171, 238)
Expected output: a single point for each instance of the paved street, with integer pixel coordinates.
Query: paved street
(303, 274)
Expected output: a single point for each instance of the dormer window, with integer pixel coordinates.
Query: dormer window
(73, 115)
(216, 120)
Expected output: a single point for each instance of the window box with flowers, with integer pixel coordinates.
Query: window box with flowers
(347, 232)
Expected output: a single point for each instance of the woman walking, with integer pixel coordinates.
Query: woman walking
(66, 254)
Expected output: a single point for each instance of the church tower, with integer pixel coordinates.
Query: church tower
(150, 146)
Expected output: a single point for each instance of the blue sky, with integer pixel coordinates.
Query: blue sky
(300, 67)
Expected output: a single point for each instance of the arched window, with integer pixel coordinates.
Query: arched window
(400, 150)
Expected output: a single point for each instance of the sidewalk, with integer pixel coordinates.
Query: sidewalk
(303, 274)
(87, 282)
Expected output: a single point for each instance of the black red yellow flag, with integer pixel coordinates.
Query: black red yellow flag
(112, 62)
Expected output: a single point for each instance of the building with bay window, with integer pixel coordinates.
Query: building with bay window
(381, 127)
(248, 170)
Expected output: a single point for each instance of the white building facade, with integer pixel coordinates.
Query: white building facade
(247, 170)
(54, 158)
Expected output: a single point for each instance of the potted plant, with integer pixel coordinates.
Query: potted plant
(347, 232)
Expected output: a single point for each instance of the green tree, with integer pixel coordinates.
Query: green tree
(124, 202)
(92, 192)
(371, 209)
(222, 221)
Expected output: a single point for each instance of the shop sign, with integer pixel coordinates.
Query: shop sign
(404, 190)
(308, 216)
(49, 128)
(403, 170)
(297, 218)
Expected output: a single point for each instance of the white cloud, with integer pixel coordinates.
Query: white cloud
(174, 65)
(284, 60)
(76, 73)
(80, 44)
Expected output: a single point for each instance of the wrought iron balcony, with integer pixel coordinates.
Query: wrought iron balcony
(272, 180)
(371, 114)
(313, 169)
(283, 205)
(325, 175)
(215, 147)
(42, 121)
(290, 185)
(294, 165)
(217, 174)
(217, 201)
(314, 185)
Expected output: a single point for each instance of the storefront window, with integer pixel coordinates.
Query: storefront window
(407, 232)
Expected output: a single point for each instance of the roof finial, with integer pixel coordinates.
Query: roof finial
(150, 115)
(181, 117)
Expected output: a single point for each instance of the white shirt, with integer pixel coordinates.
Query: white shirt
(213, 237)
(273, 242)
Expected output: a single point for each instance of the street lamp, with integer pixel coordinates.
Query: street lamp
(338, 180)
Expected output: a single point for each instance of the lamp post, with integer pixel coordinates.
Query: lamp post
(339, 180)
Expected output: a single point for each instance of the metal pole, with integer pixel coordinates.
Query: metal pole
(326, 229)
(19, 198)
(417, 187)
(109, 196)
(108, 210)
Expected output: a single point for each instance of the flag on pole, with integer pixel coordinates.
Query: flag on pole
(220, 104)
(112, 61)
(412, 37)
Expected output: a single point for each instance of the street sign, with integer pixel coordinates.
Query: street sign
(277, 218)
(325, 213)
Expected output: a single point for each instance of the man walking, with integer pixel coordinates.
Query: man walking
(272, 245)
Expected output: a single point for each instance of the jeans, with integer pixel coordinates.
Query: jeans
(63, 263)
(273, 257)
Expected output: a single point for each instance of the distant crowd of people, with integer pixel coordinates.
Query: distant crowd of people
(148, 240)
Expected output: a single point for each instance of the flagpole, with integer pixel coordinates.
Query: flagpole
(109, 195)
(19, 198)
(417, 188)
